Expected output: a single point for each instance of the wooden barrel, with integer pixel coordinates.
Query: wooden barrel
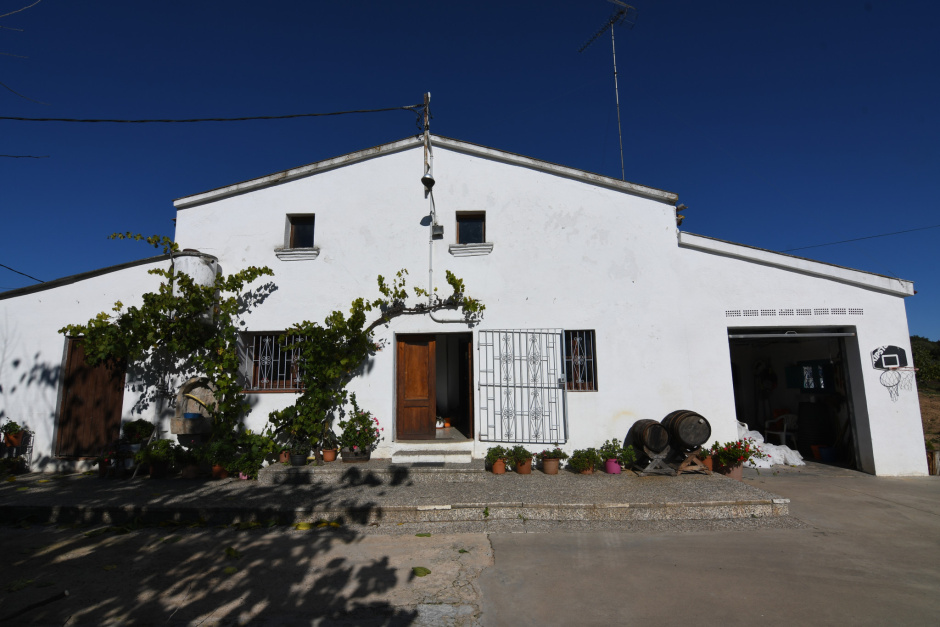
(688, 429)
(649, 434)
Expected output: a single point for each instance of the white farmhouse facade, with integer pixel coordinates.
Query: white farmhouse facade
(599, 312)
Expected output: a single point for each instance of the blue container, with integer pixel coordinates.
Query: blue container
(827, 454)
(192, 416)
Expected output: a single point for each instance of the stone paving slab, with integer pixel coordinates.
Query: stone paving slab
(380, 493)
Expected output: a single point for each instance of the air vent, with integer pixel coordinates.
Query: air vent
(768, 312)
(732, 313)
(838, 311)
(786, 312)
(804, 312)
(750, 312)
(821, 312)
(854, 311)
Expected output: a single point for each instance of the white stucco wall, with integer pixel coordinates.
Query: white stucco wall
(32, 352)
(568, 254)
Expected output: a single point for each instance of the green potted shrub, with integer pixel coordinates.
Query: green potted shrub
(220, 453)
(551, 459)
(330, 446)
(12, 433)
(610, 452)
(159, 455)
(584, 461)
(627, 456)
(361, 434)
(521, 458)
(496, 459)
(252, 450)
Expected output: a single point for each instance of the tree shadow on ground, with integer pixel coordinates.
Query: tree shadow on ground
(246, 561)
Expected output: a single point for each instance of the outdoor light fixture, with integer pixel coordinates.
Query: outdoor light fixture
(437, 230)
(428, 181)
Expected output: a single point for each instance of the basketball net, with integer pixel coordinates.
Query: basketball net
(898, 378)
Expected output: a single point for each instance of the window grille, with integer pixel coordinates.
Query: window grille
(271, 367)
(580, 365)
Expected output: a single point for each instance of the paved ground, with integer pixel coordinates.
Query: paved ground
(869, 555)
(857, 549)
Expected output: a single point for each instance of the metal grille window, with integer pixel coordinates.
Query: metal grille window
(580, 364)
(270, 367)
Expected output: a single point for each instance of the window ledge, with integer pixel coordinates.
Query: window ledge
(470, 250)
(297, 254)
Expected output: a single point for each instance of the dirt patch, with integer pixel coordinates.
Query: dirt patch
(930, 415)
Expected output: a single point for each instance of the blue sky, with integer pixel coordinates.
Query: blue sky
(779, 125)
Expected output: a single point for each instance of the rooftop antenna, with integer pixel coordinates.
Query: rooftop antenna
(623, 14)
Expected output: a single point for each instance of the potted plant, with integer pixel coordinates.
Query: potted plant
(188, 461)
(731, 456)
(251, 451)
(220, 453)
(159, 455)
(610, 452)
(704, 455)
(627, 456)
(330, 446)
(584, 461)
(137, 431)
(496, 459)
(551, 459)
(12, 433)
(361, 433)
(104, 463)
(521, 459)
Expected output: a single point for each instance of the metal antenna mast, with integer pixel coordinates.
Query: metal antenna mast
(623, 14)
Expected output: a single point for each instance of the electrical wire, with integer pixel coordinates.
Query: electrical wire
(858, 239)
(414, 108)
(23, 273)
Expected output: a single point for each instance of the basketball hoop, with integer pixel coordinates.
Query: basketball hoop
(908, 376)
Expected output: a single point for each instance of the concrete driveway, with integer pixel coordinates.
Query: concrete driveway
(868, 554)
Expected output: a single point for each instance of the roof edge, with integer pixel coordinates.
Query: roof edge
(456, 145)
(83, 276)
(851, 276)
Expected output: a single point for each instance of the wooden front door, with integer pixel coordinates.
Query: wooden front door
(417, 400)
(90, 416)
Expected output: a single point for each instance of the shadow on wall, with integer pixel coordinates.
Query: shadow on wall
(234, 575)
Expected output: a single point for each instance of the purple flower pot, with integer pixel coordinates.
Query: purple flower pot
(612, 466)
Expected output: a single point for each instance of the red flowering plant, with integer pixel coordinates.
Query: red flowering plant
(361, 430)
(734, 453)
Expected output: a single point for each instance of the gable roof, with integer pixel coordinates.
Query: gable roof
(317, 167)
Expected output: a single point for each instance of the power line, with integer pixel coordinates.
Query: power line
(414, 108)
(858, 239)
(23, 273)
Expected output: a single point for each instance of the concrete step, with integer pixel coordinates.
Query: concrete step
(432, 456)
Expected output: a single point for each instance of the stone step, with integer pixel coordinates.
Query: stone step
(431, 456)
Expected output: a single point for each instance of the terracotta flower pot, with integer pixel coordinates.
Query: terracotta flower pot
(550, 466)
(499, 467)
(283, 457)
(329, 454)
(218, 472)
(612, 466)
(524, 468)
(190, 471)
(734, 472)
(587, 471)
(159, 470)
(708, 462)
(13, 439)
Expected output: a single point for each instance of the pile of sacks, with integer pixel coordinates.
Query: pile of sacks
(776, 453)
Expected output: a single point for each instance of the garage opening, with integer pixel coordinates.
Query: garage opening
(794, 387)
(435, 387)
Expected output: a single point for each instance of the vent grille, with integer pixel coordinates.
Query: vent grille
(733, 313)
(854, 311)
(798, 311)
(804, 312)
(838, 311)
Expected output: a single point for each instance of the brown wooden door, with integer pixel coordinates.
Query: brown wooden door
(90, 416)
(417, 399)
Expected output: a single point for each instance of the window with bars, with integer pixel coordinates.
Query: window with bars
(270, 367)
(580, 364)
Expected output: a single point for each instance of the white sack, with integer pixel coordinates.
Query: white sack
(777, 454)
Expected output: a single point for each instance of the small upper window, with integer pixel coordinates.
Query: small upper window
(471, 228)
(301, 231)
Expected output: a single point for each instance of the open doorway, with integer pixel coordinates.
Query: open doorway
(434, 387)
(794, 388)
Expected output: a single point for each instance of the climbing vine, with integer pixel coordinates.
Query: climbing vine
(331, 354)
(183, 329)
